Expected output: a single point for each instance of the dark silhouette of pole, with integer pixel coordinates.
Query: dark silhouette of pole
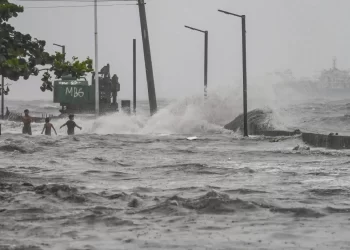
(134, 76)
(63, 48)
(206, 36)
(2, 97)
(244, 61)
(206, 65)
(244, 58)
(148, 59)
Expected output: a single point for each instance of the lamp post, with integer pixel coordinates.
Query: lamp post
(63, 48)
(244, 58)
(206, 35)
(134, 75)
(97, 89)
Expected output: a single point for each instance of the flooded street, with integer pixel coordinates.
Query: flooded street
(166, 192)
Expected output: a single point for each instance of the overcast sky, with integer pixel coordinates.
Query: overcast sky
(281, 34)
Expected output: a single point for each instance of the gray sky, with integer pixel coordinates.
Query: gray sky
(281, 34)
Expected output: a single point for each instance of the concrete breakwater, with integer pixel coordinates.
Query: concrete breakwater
(259, 124)
(328, 141)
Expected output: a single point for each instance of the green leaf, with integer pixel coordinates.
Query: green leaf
(21, 55)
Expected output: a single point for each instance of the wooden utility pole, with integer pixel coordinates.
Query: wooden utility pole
(2, 97)
(148, 59)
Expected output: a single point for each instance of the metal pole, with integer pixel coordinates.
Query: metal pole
(63, 47)
(245, 108)
(64, 51)
(205, 64)
(2, 96)
(148, 60)
(244, 53)
(97, 92)
(134, 75)
(205, 57)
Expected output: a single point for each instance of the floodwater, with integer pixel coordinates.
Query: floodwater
(132, 182)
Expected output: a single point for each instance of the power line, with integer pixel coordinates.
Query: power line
(74, 6)
(77, 1)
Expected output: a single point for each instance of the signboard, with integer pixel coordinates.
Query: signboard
(74, 82)
(71, 92)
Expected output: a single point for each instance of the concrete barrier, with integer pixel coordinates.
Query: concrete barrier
(258, 124)
(277, 133)
(316, 140)
(327, 141)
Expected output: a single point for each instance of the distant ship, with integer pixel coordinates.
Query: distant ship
(330, 83)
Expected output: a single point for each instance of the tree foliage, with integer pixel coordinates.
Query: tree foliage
(23, 56)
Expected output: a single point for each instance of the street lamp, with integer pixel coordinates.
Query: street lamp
(245, 109)
(97, 88)
(205, 57)
(63, 48)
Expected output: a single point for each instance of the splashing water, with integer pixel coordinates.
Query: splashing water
(194, 115)
(139, 190)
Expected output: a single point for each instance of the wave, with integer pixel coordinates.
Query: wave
(329, 192)
(219, 203)
(61, 191)
(188, 115)
(12, 148)
(19, 247)
(192, 115)
(333, 210)
(196, 169)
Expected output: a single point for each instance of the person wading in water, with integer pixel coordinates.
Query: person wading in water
(7, 113)
(47, 127)
(71, 125)
(27, 120)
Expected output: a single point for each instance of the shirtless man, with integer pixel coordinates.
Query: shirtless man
(27, 120)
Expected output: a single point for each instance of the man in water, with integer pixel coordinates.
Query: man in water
(7, 112)
(27, 120)
(47, 127)
(71, 125)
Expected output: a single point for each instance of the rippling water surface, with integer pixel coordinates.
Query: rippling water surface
(138, 183)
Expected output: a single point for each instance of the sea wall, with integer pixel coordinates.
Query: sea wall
(327, 141)
(258, 124)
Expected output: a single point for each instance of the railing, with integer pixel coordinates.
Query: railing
(18, 117)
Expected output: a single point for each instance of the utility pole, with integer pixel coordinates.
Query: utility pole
(244, 58)
(134, 75)
(206, 36)
(206, 65)
(148, 60)
(2, 97)
(97, 89)
(244, 61)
